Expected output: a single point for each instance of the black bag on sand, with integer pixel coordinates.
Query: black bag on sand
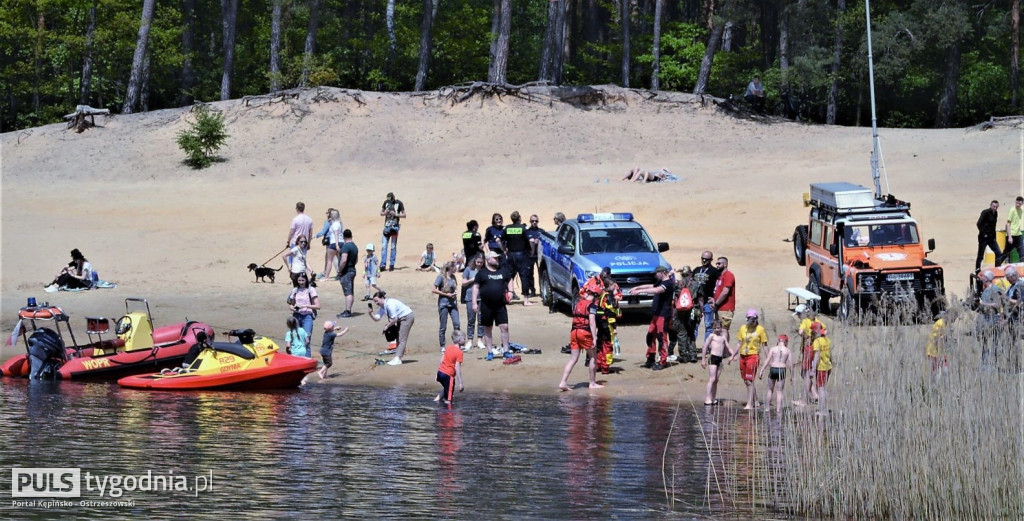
(391, 333)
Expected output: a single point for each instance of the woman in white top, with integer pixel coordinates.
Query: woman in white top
(76, 275)
(397, 313)
(296, 259)
(333, 243)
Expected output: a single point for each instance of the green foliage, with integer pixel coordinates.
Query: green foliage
(682, 49)
(41, 68)
(202, 139)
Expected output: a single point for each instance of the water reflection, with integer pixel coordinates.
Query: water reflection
(333, 451)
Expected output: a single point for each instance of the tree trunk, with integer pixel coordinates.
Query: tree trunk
(833, 89)
(389, 20)
(144, 90)
(275, 46)
(229, 18)
(709, 57)
(307, 54)
(1014, 52)
(784, 46)
(547, 50)
(90, 31)
(188, 75)
(727, 37)
(656, 48)
(947, 100)
(131, 98)
(38, 61)
(561, 49)
(626, 7)
(499, 65)
(426, 40)
(495, 27)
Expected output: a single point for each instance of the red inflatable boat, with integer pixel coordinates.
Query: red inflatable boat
(137, 346)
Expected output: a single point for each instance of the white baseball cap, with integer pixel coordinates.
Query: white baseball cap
(369, 246)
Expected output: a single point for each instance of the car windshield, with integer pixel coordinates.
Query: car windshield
(616, 240)
(881, 234)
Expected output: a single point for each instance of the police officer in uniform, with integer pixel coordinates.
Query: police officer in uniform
(471, 245)
(517, 250)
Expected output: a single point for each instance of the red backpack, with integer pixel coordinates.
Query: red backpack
(685, 300)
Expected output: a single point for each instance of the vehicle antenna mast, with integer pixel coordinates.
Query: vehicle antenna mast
(876, 151)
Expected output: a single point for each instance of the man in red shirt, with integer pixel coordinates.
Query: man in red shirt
(451, 367)
(725, 293)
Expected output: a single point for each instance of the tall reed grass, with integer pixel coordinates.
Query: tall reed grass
(900, 441)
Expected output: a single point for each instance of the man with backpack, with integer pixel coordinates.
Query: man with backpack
(683, 330)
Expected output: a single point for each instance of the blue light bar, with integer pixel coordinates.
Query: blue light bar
(595, 217)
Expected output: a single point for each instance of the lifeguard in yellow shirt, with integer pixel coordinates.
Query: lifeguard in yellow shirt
(752, 338)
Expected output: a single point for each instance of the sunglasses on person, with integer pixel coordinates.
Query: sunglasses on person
(705, 259)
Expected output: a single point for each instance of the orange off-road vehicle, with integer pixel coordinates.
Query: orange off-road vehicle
(866, 250)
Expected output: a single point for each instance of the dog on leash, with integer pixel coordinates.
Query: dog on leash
(263, 272)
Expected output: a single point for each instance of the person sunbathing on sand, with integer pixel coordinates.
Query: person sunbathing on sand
(639, 175)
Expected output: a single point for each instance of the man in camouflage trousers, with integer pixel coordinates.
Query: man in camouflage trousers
(684, 321)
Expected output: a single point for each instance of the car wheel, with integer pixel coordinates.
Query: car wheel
(814, 286)
(847, 306)
(800, 245)
(546, 296)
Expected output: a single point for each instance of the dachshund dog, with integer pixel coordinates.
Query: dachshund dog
(263, 272)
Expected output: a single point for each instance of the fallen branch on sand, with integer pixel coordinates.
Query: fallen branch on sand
(78, 121)
(460, 93)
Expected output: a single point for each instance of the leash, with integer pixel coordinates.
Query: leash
(275, 255)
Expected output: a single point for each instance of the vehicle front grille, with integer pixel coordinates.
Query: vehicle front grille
(902, 286)
(634, 279)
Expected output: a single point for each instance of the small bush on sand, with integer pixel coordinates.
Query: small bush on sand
(204, 136)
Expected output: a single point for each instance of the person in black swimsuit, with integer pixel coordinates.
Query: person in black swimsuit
(715, 348)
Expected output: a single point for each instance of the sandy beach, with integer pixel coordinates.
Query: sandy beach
(182, 238)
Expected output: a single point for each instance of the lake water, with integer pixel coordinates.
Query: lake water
(325, 452)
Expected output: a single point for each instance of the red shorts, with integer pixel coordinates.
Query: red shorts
(748, 366)
(581, 339)
(822, 378)
(807, 363)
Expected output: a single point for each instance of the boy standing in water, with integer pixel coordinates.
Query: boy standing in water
(451, 367)
(779, 364)
(711, 356)
(822, 362)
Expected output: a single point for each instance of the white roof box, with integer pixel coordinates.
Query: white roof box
(842, 195)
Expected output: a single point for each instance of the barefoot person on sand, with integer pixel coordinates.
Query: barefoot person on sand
(581, 337)
(715, 348)
(779, 364)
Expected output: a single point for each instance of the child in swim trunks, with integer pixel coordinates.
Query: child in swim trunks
(715, 348)
(779, 364)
